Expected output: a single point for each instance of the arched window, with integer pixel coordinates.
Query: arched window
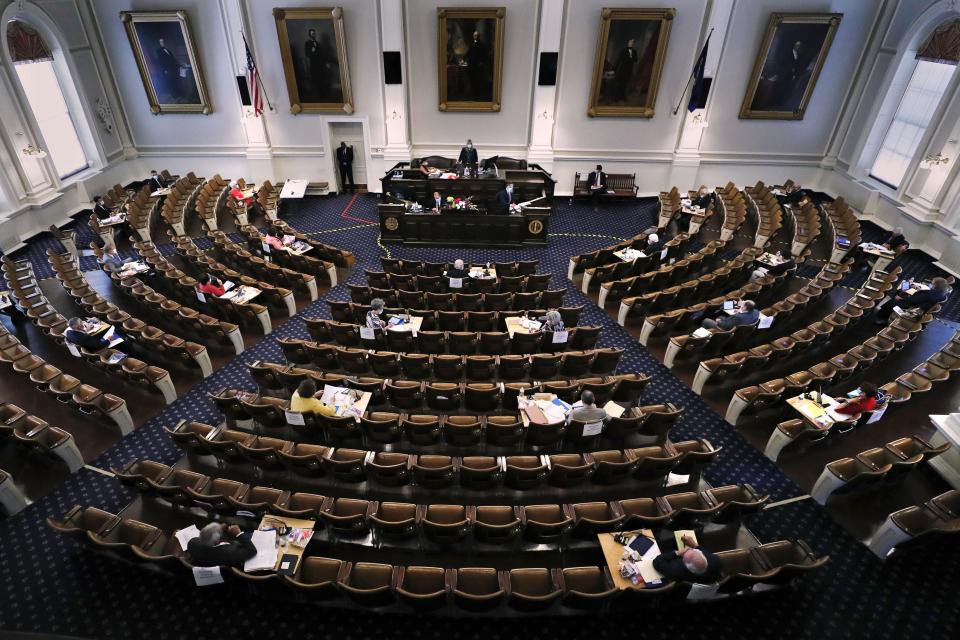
(933, 68)
(34, 63)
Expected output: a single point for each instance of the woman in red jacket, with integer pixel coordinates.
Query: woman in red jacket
(866, 401)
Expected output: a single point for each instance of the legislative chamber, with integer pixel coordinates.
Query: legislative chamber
(542, 318)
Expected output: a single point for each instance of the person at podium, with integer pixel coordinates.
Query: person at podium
(468, 156)
(434, 204)
(502, 200)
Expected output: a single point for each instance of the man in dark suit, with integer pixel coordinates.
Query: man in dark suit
(345, 164)
(476, 59)
(156, 181)
(207, 550)
(435, 203)
(503, 200)
(623, 70)
(748, 314)
(896, 241)
(169, 68)
(597, 184)
(100, 208)
(689, 564)
(468, 155)
(78, 333)
(937, 294)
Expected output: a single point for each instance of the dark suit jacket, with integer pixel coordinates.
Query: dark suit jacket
(921, 299)
(453, 272)
(156, 182)
(739, 319)
(501, 202)
(345, 155)
(468, 156)
(593, 179)
(895, 240)
(85, 340)
(232, 554)
(430, 203)
(703, 201)
(102, 211)
(671, 566)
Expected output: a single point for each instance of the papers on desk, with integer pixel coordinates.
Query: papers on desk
(116, 357)
(544, 408)
(112, 336)
(680, 533)
(266, 558)
(184, 536)
(613, 409)
(702, 332)
(229, 284)
(765, 322)
(343, 400)
(530, 325)
(205, 576)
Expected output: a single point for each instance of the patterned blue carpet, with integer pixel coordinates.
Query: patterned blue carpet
(53, 586)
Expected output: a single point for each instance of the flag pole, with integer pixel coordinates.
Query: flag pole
(692, 72)
(263, 89)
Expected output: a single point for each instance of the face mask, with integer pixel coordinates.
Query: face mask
(469, 146)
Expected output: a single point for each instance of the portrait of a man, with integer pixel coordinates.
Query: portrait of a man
(470, 45)
(168, 63)
(630, 53)
(314, 59)
(788, 64)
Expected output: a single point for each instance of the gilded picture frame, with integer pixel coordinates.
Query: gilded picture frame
(788, 64)
(313, 48)
(470, 58)
(631, 50)
(167, 59)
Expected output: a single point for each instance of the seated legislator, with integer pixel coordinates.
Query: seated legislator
(704, 197)
(598, 184)
(375, 317)
(867, 400)
(100, 209)
(211, 285)
(304, 400)
(896, 242)
(689, 564)
(653, 242)
(502, 201)
(273, 239)
(589, 411)
(468, 155)
(111, 260)
(458, 270)
(938, 293)
(221, 545)
(435, 203)
(775, 270)
(78, 333)
(426, 169)
(156, 181)
(551, 321)
(748, 314)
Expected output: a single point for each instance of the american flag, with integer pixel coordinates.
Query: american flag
(253, 82)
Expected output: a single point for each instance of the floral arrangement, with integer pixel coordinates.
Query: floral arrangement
(459, 203)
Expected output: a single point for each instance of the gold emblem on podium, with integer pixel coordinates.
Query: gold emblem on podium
(535, 227)
(392, 224)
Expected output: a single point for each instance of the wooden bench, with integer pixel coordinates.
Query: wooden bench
(619, 185)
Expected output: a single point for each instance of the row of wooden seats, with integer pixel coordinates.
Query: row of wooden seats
(492, 524)
(934, 524)
(264, 268)
(398, 267)
(140, 211)
(151, 338)
(268, 415)
(36, 435)
(652, 292)
(65, 388)
(340, 257)
(686, 319)
(657, 261)
(806, 229)
(422, 365)
(618, 278)
(27, 293)
(268, 196)
(274, 298)
(456, 342)
(771, 393)
(210, 199)
(531, 284)
(669, 205)
(431, 301)
(304, 263)
(843, 221)
(651, 465)
(462, 312)
(424, 589)
(936, 368)
(181, 198)
(604, 256)
(879, 467)
(184, 288)
(184, 319)
(731, 203)
(782, 348)
(769, 213)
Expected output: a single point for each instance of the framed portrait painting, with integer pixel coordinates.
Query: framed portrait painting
(168, 63)
(790, 59)
(314, 52)
(470, 58)
(631, 50)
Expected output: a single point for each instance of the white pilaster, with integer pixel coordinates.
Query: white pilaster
(395, 118)
(545, 98)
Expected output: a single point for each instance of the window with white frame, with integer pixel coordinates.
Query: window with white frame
(917, 106)
(37, 73)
